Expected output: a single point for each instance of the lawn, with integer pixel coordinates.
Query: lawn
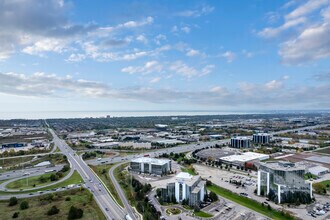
(203, 214)
(39, 205)
(173, 211)
(102, 171)
(27, 183)
(326, 183)
(249, 203)
(8, 162)
(74, 179)
(188, 170)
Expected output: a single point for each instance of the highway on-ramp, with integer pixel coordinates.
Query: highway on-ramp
(109, 207)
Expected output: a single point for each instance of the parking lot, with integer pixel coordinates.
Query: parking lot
(223, 178)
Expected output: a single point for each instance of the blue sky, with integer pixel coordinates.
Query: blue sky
(164, 55)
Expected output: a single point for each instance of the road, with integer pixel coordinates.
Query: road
(109, 207)
(120, 192)
(33, 170)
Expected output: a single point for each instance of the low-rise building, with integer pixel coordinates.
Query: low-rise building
(151, 165)
(186, 187)
(283, 180)
(318, 170)
(242, 159)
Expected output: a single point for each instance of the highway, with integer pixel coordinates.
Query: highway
(120, 192)
(109, 207)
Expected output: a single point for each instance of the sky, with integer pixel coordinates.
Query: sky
(221, 55)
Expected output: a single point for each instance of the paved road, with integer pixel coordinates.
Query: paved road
(103, 199)
(58, 168)
(21, 172)
(120, 192)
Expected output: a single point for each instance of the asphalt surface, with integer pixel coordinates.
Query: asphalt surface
(120, 192)
(36, 173)
(32, 170)
(109, 207)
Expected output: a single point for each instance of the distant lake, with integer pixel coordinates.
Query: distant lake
(100, 114)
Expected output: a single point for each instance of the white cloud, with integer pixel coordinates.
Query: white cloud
(155, 80)
(149, 67)
(159, 38)
(142, 39)
(229, 56)
(273, 84)
(186, 29)
(134, 24)
(204, 10)
(46, 45)
(192, 52)
(307, 8)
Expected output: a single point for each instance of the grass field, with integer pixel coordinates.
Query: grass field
(38, 206)
(13, 161)
(27, 183)
(74, 179)
(203, 214)
(249, 203)
(326, 183)
(188, 170)
(99, 170)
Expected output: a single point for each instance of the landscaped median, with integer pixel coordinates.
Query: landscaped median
(203, 214)
(102, 171)
(249, 203)
(75, 178)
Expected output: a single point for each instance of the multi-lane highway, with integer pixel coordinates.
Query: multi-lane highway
(109, 207)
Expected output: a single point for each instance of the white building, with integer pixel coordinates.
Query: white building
(186, 187)
(241, 159)
(318, 170)
(151, 165)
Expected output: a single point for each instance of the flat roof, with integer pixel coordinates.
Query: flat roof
(186, 178)
(284, 165)
(318, 169)
(248, 156)
(151, 160)
(241, 138)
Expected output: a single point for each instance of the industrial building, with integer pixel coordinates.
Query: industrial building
(242, 159)
(240, 142)
(151, 165)
(281, 179)
(186, 187)
(318, 170)
(261, 138)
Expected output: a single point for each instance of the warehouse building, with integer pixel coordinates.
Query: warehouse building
(186, 187)
(151, 165)
(242, 159)
(318, 170)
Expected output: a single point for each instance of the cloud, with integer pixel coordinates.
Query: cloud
(229, 56)
(155, 80)
(204, 10)
(309, 27)
(192, 52)
(142, 39)
(149, 67)
(269, 95)
(159, 38)
(312, 43)
(135, 24)
(183, 69)
(186, 29)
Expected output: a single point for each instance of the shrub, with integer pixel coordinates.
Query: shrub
(75, 213)
(68, 198)
(13, 201)
(15, 215)
(53, 210)
(24, 205)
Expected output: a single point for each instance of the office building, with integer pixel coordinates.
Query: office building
(261, 138)
(151, 165)
(283, 179)
(186, 187)
(240, 142)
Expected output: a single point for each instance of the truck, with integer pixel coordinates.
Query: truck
(128, 217)
(49, 171)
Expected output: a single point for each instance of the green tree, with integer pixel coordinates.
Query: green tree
(13, 201)
(53, 210)
(15, 215)
(24, 205)
(75, 213)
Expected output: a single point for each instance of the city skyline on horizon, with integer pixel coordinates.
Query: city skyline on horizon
(153, 56)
